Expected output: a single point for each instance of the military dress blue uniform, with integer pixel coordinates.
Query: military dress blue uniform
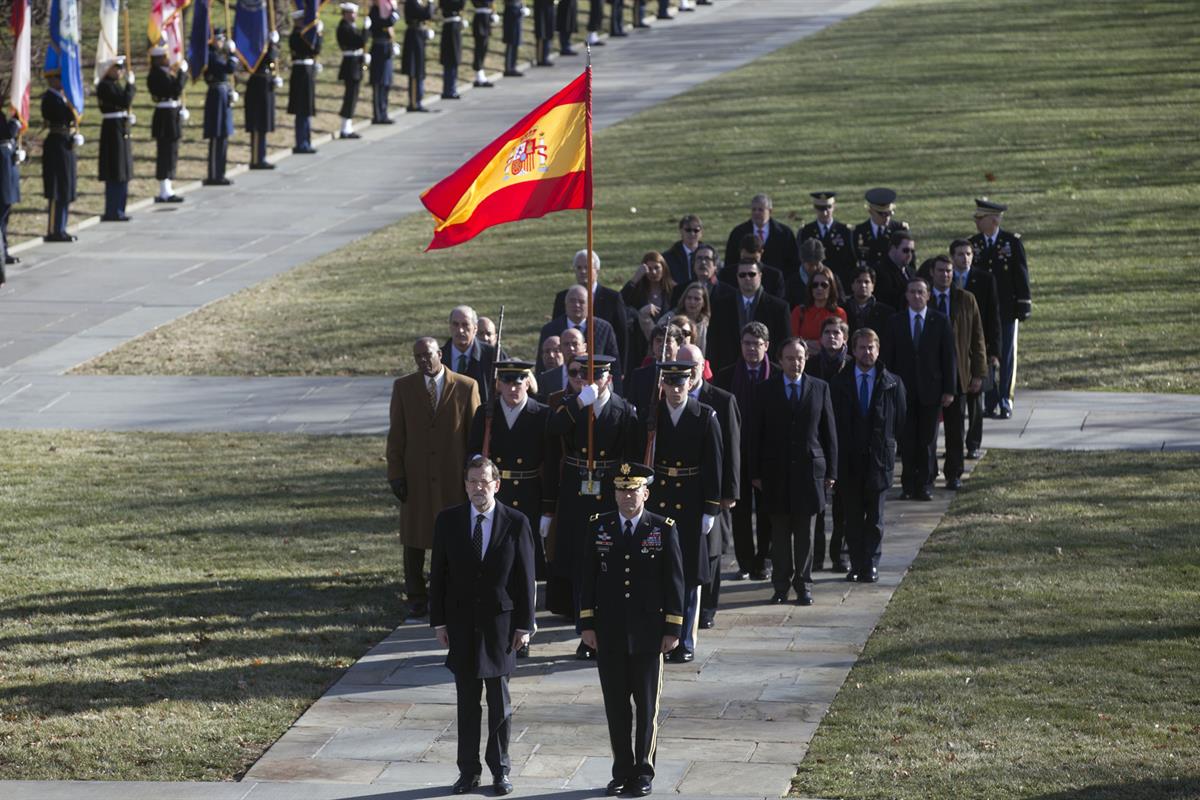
(412, 54)
(566, 22)
(481, 33)
(352, 40)
(116, 149)
(380, 73)
(543, 30)
(218, 114)
(302, 89)
(872, 242)
(166, 127)
(514, 12)
(10, 182)
(260, 107)
(450, 52)
(58, 163)
(632, 596)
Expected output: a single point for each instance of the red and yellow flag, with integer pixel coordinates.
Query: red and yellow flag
(541, 164)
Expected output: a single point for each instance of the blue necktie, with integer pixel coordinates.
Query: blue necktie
(943, 306)
(793, 393)
(864, 395)
(917, 327)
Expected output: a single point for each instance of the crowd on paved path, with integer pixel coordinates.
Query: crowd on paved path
(368, 52)
(727, 399)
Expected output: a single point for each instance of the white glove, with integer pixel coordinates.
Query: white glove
(367, 59)
(77, 139)
(131, 79)
(367, 24)
(274, 37)
(495, 18)
(589, 395)
(183, 66)
(706, 523)
(429, 34)
(525, 12)
(544, 526)
(278, 82)
(320, 26)
(133, 119)
(231, 45)
(21, 156)
(184, 114)
(233, 97)
(396, 49)
(319, 66)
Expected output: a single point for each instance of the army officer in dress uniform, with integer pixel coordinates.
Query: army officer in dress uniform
(631, 614)
(352, 40)
(836, 237)
(872, 238)
(512, 433)
(116, 150)
(382, 51)
(412, 56)
(683, 440)
(450, 53)
(58, 156)
(260, 104)
(166, 126)
(581, 495)
(218, 102)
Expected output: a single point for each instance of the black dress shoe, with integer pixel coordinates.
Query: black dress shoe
(805, 599)
(304, 151)
(685, 656)
(973, 454)
(545, 62)
(523, 651)
(779, 597)
(707, 621)
(58, 237)
(501, 784)
(619, 35)
(464, 784)
(11, 259)
(172, 199)
(484, 84)
(906, 495)
(869, 577)
(585, 653)
(840, 566)
(455, 96)
(759, 575)
(114, 218)
(615, 787)
(350, 135)
(642, 25)
(992, 413)
(666, 16)
(417, 110)
(1005, 413)
(638, 787)
(852, 577)
(954, 484)
(388, 121)
(567, 51)
(513, 73)
(263, 165)
(217, 182)
(924, 496)
(741, 575)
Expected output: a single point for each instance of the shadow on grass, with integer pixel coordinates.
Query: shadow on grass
(1160, 789)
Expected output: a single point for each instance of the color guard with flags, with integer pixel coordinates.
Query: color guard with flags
(218, 101)
(256, 47)
(166, 82)
(62, 106)
(12, 123)
(352, 40)
(108, 45)
(115, 159)
(166, 28)
(305, 44)
(382, 17)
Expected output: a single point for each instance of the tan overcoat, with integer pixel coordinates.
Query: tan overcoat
(968, 336)
(429, 450)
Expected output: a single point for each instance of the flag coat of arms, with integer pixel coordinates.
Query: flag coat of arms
(538, 166)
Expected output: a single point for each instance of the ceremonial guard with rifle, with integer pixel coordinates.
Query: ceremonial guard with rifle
(305, 44)
(116, 149)
(382, 51)
(683, 442)
(412, 56)
(58, 156)
(352, 40)
(166, 126)
(598, 431)
(218, 106)
(260, 104)
(450, 54)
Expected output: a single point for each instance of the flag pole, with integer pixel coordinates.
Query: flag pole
(228, 24)
(128, 48)
(591, 272)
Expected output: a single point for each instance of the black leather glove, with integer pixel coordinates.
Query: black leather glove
(400, 489)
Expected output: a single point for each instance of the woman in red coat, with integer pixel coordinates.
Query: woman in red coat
(822, 304)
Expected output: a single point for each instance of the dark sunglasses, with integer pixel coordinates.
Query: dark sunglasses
(747, 274)
(820, 285)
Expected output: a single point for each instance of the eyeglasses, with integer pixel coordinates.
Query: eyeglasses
(747, 274)
(692, 230)
(479, 484)
(908, 250)
(820, 285)
(709, 259)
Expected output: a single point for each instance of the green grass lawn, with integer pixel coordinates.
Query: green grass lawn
(1045, 644)
(170, 604)
(29, 216)
(1080, 115)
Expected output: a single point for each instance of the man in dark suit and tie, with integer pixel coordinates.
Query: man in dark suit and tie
(779, 242)
(575, 317)
(482, 608)
(982, 286)
(869, 405)
(679, 255)
(607, 303)
(751, 304)
(919, 348)
(794, 462)
(466, 354)
(570, 344)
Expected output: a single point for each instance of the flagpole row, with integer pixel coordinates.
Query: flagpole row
(128, 41)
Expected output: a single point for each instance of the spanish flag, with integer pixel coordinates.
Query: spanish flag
(541, 164)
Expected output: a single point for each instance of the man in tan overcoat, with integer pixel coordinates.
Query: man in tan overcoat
(426, 451)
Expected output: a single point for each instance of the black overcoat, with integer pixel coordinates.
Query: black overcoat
(794, 447)
(380, 71)
(302, 89)
(867, 445)
(116, 149)
(58, 149)
(166, 85)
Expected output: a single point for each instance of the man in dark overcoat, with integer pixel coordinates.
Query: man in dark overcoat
(305, 46)
(481, 34)
(412, 53)
(482, 599)
(352, 41)
(58, 156)
(166, 126)
(218, 105)
(450, 51)
(260, 104)
(382, 51)
(116, 149)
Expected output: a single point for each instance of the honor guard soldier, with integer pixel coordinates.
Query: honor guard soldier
(352, 40)
(218, 106)
(543, 31)
(481, 32)
(305, 46)
(631, 614)
(116, 150)
(683, 438)
(382, 51)
(872, 238)
(58, 156)
(595, 22)
(514, 12)
(1002, 254)
(260, 104)
(412, 56)
(836, 237)
(513, 435)
(450, 53)
(166, 126)
(11, 157)
(566, 22)
(580, 493)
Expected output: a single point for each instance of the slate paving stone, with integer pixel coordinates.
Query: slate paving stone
(341, 714)
(733, 778)
(323, 770)
(367, 744)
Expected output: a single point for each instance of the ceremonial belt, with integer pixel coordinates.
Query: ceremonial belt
(572, 461)
(114, 115)
(61, 130)
(352, 53)
(304, 62)
(677, 472)
(519, 474)
(167, 104)
(452, 19)
(484, 10)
